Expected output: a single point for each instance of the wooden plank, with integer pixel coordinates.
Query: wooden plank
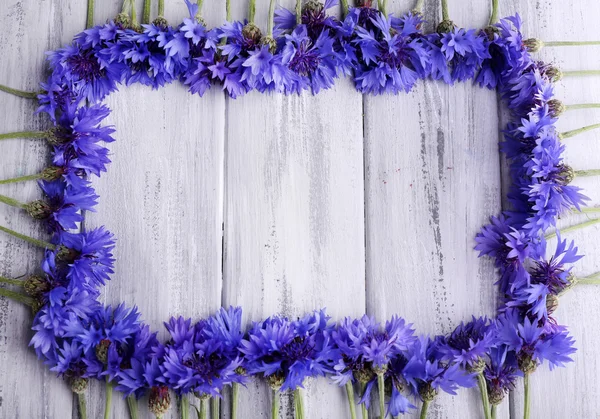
(27, 389)
(432, 180)
(576, 387)
(294, 216)
(163, 199)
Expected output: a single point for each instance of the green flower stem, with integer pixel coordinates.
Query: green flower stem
(12, 202)
(587, 173)
(21, 179)
(445, 13)
(146, 11)
(20, 93)
(570, 43)
(90, 14)
(574, 227)
(526, 402)
(493, 411)
(275, 404)
(345, 8)
(419, 6)
(351, 403)
(424, 408)
(298, 12)
(235, 388)
(215, 412)
(382, 6)
(484, 395)
(381, 390)
(133, 406)
(593, 279)
(184, 405)
(36, 242)
(134, 20)
(108, 399)
(271, 18)
(15, 296)
(161, 8)
(203, 408)
(494, 15)
(572, 133)
(10, 281)
(228, 10)
(363, 407)
(580, 73)
(23, 134)
(251, 10)
(591, 210)
(199, 12)
(126, 7)
(299, 403)
(583, 106)
(82, 405)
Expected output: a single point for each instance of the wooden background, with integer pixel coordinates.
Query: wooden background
(287, 204)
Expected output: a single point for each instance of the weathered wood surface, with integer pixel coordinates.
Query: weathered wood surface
(286, 204)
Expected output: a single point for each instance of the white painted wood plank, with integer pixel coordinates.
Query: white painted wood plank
(432, 181)
(27, 388)
(571, 392)
(163, 199)
(294, 223)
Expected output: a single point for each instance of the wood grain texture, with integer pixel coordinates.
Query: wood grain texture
(27, 388)
(286, 204)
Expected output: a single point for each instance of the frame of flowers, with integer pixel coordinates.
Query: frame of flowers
(303, 50)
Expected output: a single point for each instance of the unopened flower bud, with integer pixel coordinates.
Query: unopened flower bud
(427, 392)
(477, 366)
(526, 363)
(270, 42)
(496, 395)
(159, 401)
(533, 44)
(39, 209)
(567, 174)
(161, 22)
(66, 255)
(36, 285)
(241, 371)
(445, 26)
(364, 375)
(252, 32)
(551, 303)
(79, 384)
(491, 31)
(52, 173)
(56, 136)
(275, 381)
(553, 73)
(556, 108)
(102, 351)
(313, 6)
(123, 20)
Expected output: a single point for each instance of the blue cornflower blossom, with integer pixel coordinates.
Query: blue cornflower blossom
(286, 352)
(196, 360)
(427, 374)
(89, 258)
(501, 373)
(77, 139)
(468, 344)
(533, 342)
(456, 55)
(548, 279)
(62, 205)
(392, 57)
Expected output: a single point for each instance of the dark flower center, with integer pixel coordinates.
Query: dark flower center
(85, 66)
(396, 58)
(305, 61)
(298, 348)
